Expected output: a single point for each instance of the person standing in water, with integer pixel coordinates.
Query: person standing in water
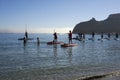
(93, 34)
(24, 41)
(38, 41)
(109, 35)
(55, 37)
(102, 36)
(116, 35)
(70, 37)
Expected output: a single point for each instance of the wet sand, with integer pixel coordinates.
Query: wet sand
(61, 75)
(106, 76)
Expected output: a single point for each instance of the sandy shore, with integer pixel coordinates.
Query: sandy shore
(106, 76)
(61, 74)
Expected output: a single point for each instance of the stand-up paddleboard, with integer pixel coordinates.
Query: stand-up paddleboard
(91, 39)
(116, 39)
(107, 38)
(68, 45)
(26, 39)
(54, 42)
(100, 39)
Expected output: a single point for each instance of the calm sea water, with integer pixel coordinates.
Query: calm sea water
(53, 62)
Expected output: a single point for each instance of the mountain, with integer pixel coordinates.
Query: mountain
(109, 25)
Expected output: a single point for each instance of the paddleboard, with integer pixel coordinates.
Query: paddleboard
(91, 39)
(100, 39)
(68, 45)
(116, 39)
(26, 39)
(107, 38)
(54, 42)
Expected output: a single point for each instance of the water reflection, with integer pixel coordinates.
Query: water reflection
(70, 55)
(55, 53)
(24, 47)
(24, 43)
(38, 48)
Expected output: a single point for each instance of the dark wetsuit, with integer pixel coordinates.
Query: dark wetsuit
(55, 37)
(70, 37)
(26, 35)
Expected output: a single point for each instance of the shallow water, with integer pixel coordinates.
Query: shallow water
(31, 61)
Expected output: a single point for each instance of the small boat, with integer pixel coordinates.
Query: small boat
(50, 43)
(68, 45)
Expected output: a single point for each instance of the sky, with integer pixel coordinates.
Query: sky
(47, 16)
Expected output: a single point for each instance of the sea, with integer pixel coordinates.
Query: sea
(32, 61)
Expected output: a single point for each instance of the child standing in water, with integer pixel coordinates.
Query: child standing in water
(38, 41)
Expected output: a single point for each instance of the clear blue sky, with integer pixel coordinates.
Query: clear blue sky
(45, 15)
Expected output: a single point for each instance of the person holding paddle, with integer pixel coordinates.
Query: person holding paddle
(70, 44)
(55, 37)
(70, 37)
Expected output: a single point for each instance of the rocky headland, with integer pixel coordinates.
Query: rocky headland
(109, 25)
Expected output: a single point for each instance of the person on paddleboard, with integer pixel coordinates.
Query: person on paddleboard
(55, 37)
(70, 37)
(26, 34)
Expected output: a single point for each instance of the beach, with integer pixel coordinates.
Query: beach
(90, 60)
(61, 74)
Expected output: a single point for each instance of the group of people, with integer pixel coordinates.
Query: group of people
(26, 38)
(55, 37)
(69, 36)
